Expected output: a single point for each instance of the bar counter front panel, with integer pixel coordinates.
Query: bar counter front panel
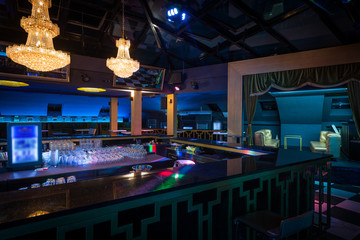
(189, 202)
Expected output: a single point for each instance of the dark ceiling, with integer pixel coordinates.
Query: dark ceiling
(213, 32)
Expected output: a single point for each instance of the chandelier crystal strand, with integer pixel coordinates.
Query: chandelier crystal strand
(38, 53)
(123, 65)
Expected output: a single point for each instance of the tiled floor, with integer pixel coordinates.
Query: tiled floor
(345, 212)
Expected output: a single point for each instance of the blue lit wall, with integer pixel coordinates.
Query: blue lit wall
(189, 101)
(35, 104)
(300, 115)
(194, 100)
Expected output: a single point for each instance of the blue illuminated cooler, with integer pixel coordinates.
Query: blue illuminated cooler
(24, 145)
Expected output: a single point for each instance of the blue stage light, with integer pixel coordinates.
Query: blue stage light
(176, 15)
(183, 16)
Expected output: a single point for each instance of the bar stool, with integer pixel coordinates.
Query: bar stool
(274, 226)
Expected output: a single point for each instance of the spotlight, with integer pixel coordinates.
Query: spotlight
(176, 15)
(177, 88)
(183, 16)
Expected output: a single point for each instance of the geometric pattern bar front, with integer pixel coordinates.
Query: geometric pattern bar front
(203, 211)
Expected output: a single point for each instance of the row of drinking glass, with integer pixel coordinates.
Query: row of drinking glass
(89, 143)
(134, 151)
(82, 157)
(61, 145)
(52, 181)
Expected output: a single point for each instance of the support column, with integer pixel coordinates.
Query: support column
(113, 115)
(136, 112)
(235, 104)
(171, 127)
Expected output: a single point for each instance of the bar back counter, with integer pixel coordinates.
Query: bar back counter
(196, 201)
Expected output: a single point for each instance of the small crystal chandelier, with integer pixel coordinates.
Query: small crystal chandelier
(38, 53)
(123, 66)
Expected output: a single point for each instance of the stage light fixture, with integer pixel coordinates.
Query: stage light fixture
(176, 15)
(177, 88)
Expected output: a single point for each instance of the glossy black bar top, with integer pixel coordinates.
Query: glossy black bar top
(67, 198)
(221, 145)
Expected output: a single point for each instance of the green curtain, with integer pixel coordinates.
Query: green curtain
(328, 76)
(354, 99)
(250, 103)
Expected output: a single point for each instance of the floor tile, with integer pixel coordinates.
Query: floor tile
(343, 229)
(350, 205)
(341, 193)
(346, 215)
(334, 200)
(355, 198)
(348, 188)
(329, 236)
(323, 207)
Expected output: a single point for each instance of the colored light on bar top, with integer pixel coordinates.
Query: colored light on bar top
(152, 148)
(90, 89)
(13, 83)
(251, 152)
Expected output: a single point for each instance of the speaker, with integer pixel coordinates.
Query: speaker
(163, 103)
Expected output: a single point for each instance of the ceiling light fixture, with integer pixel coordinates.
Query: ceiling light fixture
(90, 89)
(38, 53)
(175, 15)
(7, 83)
(123, 66)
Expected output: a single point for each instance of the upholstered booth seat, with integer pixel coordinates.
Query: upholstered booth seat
(329, 143)
(263, 137)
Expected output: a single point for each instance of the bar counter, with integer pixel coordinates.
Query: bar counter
(190, 202)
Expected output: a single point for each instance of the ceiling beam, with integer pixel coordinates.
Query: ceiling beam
(326, 19)
(208, 22)
(158, 39)
(199, 14)
(352, 13)
(156, 59)
(257, 29)
(264, 25)
(272, 22)
(193, 42)
(143, 33)
(63, 16)
(110, 18)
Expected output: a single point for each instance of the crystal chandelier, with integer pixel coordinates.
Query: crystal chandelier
(38, 53)
(123, 66)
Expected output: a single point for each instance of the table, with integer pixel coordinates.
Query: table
(82, 130)
(117, 131)
(146, 130)
(221, 134)
(292, 136)
(55, 134)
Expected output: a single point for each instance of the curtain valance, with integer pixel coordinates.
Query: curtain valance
(327, 76)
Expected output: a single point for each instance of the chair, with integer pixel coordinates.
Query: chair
(92, 131)
(274, 226)
(329, 143)
(263, 137)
